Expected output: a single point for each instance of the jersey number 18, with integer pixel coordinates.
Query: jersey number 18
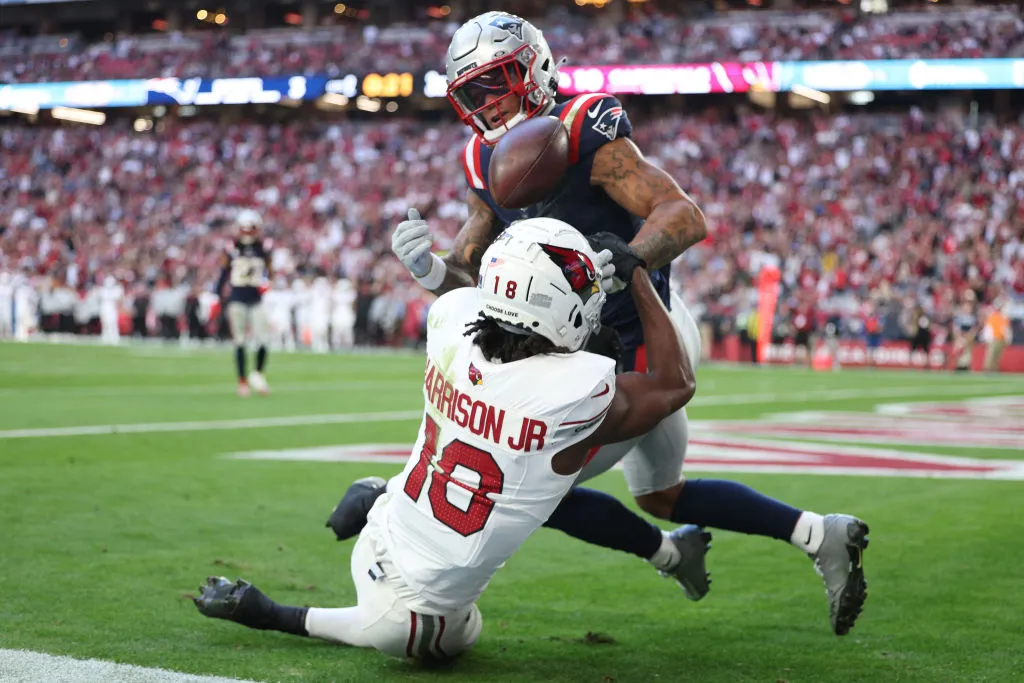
(456, 453)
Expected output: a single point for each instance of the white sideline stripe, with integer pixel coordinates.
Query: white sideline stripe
(399, 416)
(213, 425)
(226, 389)
(25, 666)
(839, 394)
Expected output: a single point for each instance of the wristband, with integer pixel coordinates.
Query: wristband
(435, 276)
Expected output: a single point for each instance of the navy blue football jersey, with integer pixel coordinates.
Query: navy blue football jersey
(245, 267)
(592, 120)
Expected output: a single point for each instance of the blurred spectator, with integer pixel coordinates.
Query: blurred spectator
(645, 36)
(997, 334)
(862, 212)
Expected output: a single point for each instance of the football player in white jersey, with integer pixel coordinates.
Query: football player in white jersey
(501, 71)
(111, 300)
(343, 314)
(497, 449)
(320, 314)
(278, 304)
(6, 304)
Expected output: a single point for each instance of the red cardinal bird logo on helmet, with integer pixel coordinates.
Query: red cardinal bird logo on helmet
(475, 376)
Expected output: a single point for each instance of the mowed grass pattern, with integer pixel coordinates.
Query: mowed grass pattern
(104, 537)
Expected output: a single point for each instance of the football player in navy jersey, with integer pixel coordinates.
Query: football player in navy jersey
(246, 268)
(501, 72)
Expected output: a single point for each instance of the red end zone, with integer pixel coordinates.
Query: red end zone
(755, 446)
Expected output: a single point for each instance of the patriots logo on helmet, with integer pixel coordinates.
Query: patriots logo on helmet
(509, 25)
(475, 376)
(608, 123)
(577, 268)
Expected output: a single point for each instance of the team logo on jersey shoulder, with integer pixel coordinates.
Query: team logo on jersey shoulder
(508, 25)
(475, 376)
(608, 123)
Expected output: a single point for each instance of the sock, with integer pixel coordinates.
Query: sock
(733, 506)
(240, 361)
(667, 555)
(261, 358)
(600, 519)
(809, 532)
(289, 619)
(258, 611)
(339, 625)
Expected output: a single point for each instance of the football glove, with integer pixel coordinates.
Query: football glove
(411, 243)
(605, 269)
(624, 259)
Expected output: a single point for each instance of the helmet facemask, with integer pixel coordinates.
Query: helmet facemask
(477, 95)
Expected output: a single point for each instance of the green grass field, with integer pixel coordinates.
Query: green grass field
(103, 536)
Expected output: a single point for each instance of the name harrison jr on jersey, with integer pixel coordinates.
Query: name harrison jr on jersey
(481, 419)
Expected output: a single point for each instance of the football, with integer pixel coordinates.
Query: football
(528, 162)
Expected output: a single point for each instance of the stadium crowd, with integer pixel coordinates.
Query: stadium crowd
(875, 220)
(643, 37)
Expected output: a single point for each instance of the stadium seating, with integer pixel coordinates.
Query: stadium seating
(645, 38)
(873, 208)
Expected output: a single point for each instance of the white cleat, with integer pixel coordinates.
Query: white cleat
(259, 383)
(243, 388)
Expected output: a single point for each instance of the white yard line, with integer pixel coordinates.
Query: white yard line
(25, 666)
(227, 389)
(408, 415)
(212, 425)
(841, 394)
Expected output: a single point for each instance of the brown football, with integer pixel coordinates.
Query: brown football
(528, 162)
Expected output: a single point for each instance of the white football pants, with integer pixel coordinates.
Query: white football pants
(381, 619)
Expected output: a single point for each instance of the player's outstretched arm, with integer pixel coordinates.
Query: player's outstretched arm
(673, 224)
(642, 400)
(464, 260)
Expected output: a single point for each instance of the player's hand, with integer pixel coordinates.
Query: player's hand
(411, 243)
(624, 259)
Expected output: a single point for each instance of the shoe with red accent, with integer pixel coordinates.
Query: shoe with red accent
(259, 383)
(243, 388)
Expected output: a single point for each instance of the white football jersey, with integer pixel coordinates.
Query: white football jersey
(480, 479)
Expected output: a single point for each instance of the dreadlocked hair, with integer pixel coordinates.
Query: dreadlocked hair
(498, 344)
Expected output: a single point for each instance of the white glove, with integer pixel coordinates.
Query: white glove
(605, 270)
(411, 243)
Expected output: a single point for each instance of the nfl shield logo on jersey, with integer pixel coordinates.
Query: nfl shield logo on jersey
(608, 123)
(475, 376)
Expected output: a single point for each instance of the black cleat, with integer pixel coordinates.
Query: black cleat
(240, 602)
(349, 516)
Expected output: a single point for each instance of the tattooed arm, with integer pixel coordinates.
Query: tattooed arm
(673, 221)
(467, 253)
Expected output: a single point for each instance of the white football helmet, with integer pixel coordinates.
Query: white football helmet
(249, 223)
(494, 56)
(539, 276)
